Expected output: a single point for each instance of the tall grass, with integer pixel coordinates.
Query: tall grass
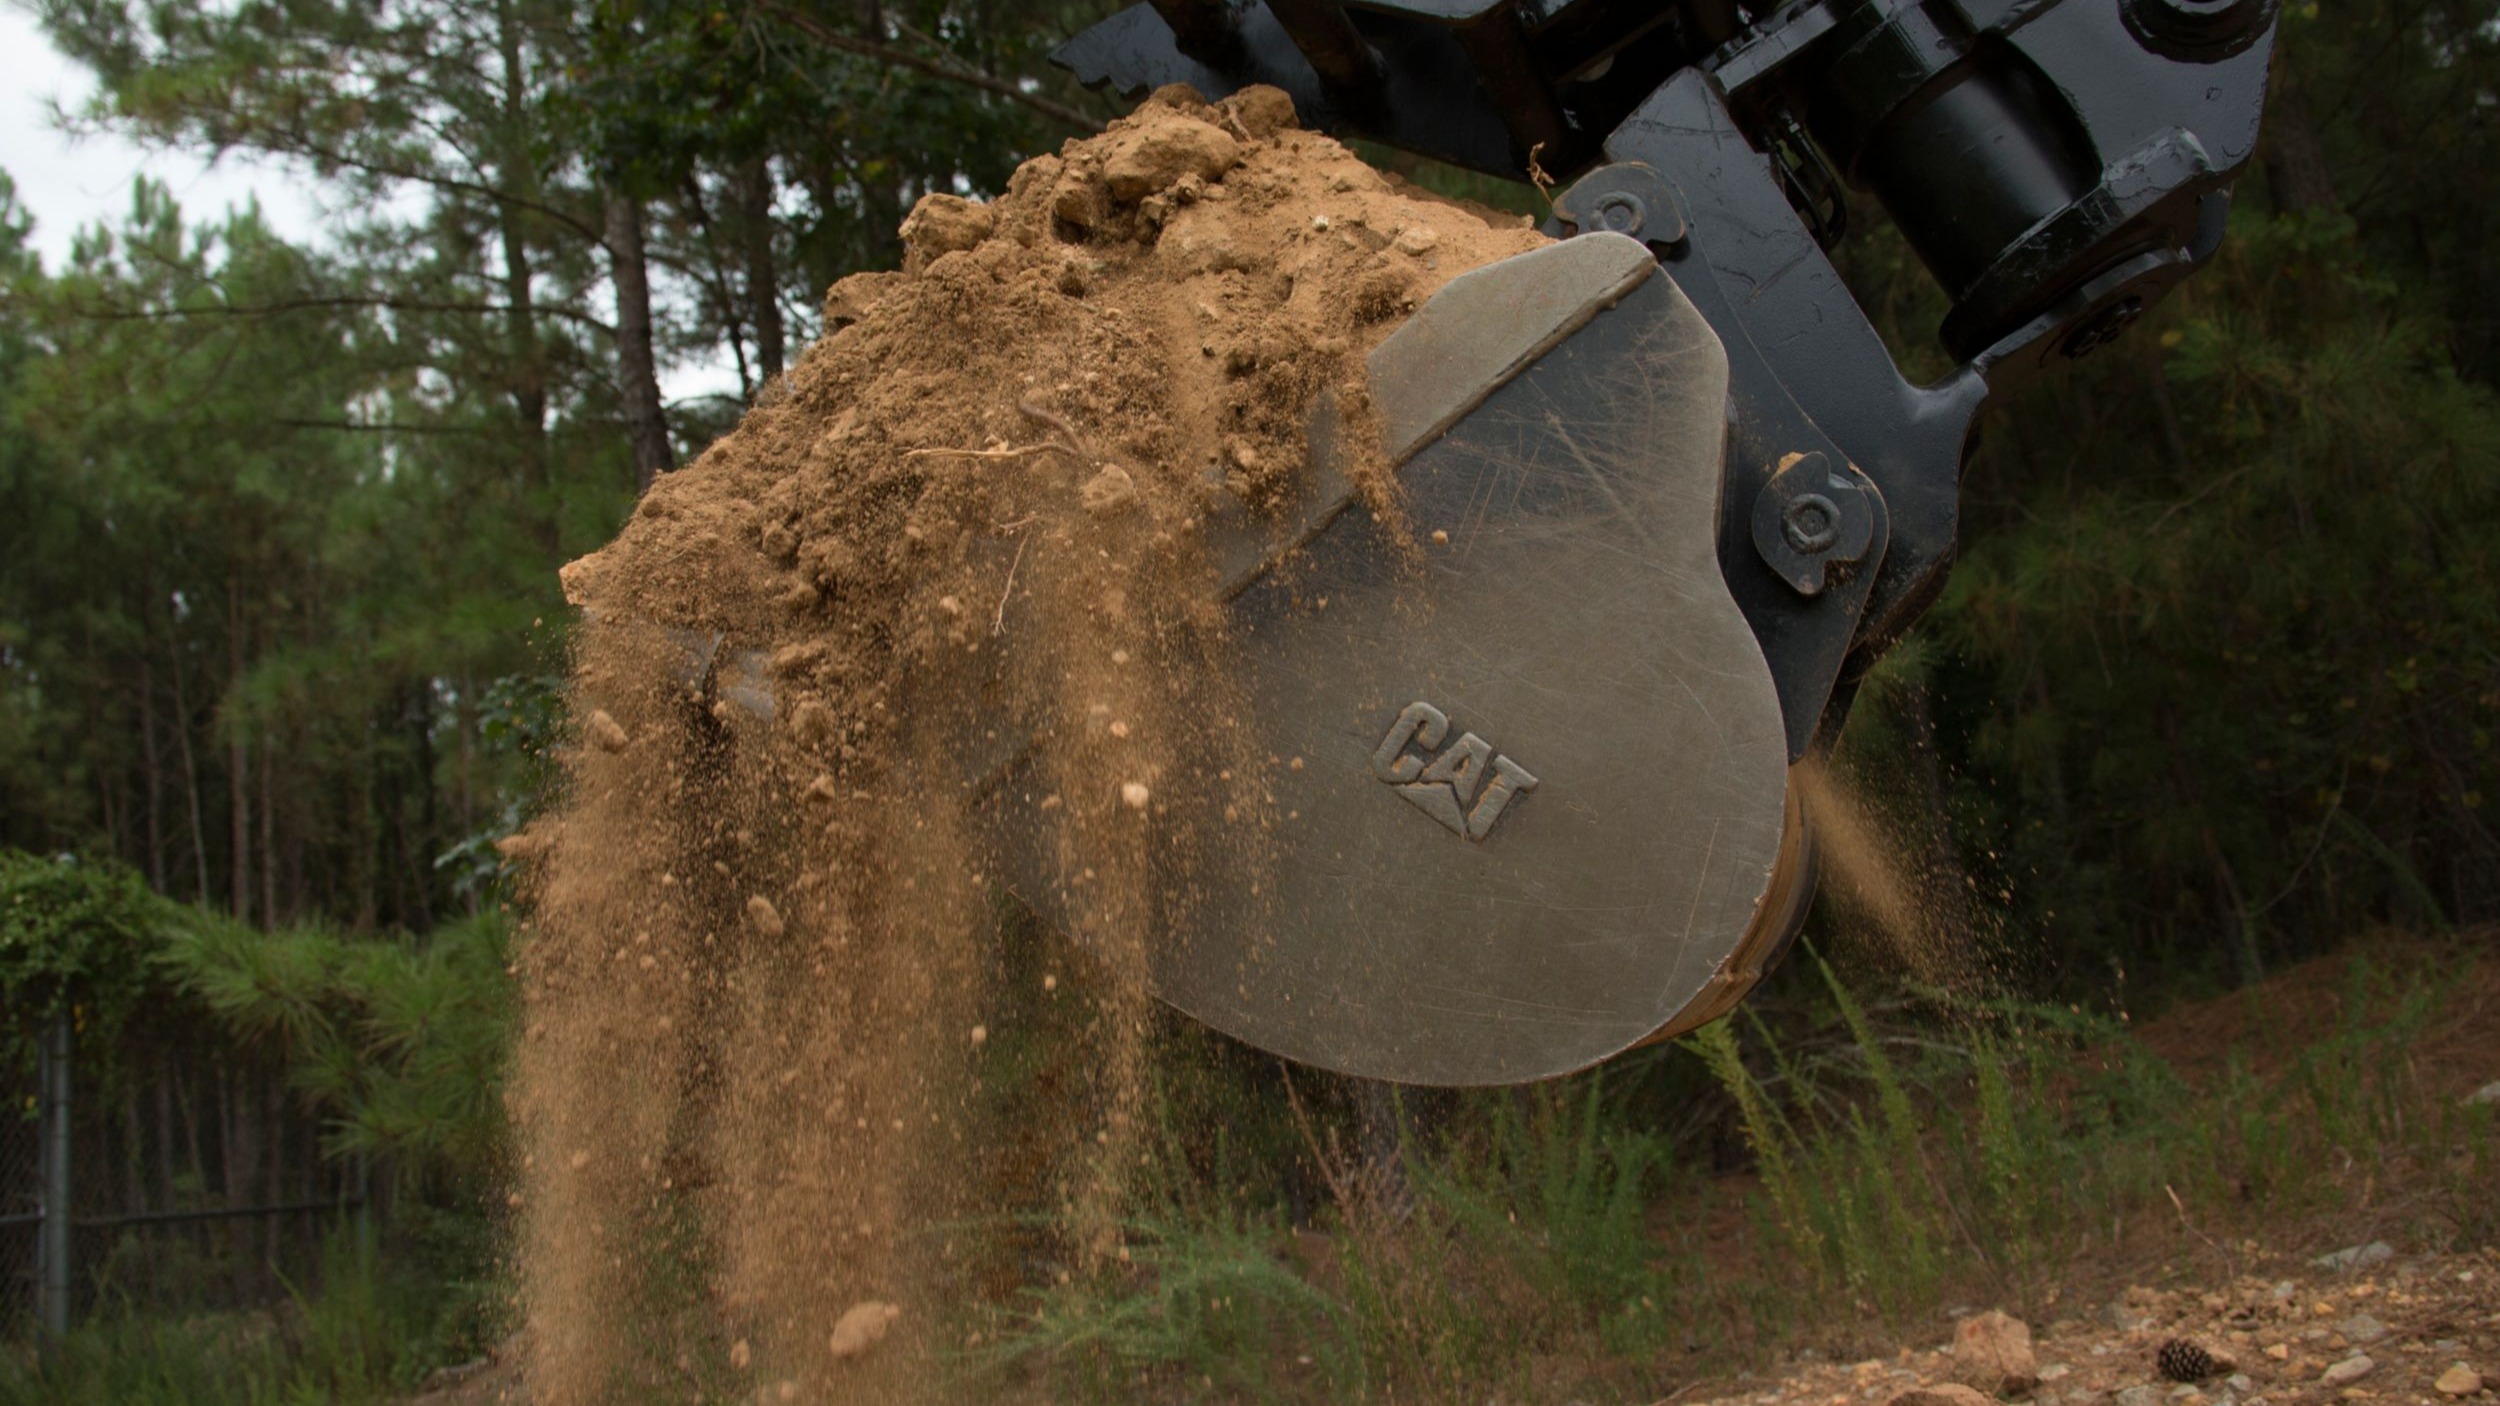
(2038, 1135)
(1209, 1300)
(1556, 1242)
(364, 1338)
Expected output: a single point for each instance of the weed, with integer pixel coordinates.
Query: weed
(359, 1340)
(1206, 1299)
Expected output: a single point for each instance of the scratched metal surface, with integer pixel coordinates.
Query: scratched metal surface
(1576, 623)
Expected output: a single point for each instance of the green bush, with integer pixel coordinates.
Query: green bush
(77, 938)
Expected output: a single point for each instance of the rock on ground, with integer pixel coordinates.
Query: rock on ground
(2348, 1371)
(1942, 1394)
(2369, 1256)
(1992, 1352)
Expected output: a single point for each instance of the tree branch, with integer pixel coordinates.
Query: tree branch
(362, 428)
(118, 314)
(822, 33)
(303, 145)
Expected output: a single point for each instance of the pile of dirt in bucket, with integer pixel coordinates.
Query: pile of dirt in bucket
(770, 1010)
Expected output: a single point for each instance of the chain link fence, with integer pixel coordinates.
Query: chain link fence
(21, 1205)
(196, 1182)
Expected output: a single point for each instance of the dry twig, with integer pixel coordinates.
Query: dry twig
(1536, 174)
(1014, 452)
(998, 617)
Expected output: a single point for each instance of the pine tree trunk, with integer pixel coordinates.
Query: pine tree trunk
(191, 789)
(133, 1150)
(238, 759)
(164, 1134)
(268, 836)
(187, 1102)
(763, 283)
(226, 1183)
(273, 1176)
(370, 841)
(2234, 905)
(646, 418)
(2297, 179)
(529, 364)
(880, 202)
(108, 795)
(152, 761)
(417, 851)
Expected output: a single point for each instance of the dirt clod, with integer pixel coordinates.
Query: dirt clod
(943, 224)
(862, 1326)
(766, 917)
(604, 731)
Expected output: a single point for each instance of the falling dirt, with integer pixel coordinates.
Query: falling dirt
(946, 583)
(1900, 879)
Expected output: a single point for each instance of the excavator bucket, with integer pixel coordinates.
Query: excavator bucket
(1671, 495)
(1538, 810)
(1664, 494)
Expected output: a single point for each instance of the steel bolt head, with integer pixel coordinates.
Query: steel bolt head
(2102, 328)
(1620, 211)
(1811, 523)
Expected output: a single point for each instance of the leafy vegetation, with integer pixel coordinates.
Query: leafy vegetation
(401, 1044)
(2006, 1150)
(363, 1339)
(73, 942)
(279, 526)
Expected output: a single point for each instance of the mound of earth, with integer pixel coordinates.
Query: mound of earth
(765, 1015)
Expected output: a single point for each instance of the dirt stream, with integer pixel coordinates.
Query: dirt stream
(965, 534)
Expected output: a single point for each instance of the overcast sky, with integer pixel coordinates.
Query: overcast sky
(68, 183)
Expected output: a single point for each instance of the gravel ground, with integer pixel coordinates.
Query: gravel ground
(2376, 1327)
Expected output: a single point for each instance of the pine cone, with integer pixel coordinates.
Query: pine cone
(2182, 1360)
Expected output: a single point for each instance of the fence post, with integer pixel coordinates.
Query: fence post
(52, 1244)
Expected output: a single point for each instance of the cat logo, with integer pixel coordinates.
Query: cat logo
(1443, 786)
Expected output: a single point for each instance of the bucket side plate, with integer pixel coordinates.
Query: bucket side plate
(1543, 771)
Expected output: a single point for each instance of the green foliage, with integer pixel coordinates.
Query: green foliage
(402, 1042)
(1550, 1235)
(1202, 1297)
(520, 720)
(76, 938)
(361, 1338)
(2047, 1126)
(1767, 1133)
(2220, 686)
(1547, 1200)
(279, 524)
(224, 601)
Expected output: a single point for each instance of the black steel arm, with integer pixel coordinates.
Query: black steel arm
(2058, 165)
